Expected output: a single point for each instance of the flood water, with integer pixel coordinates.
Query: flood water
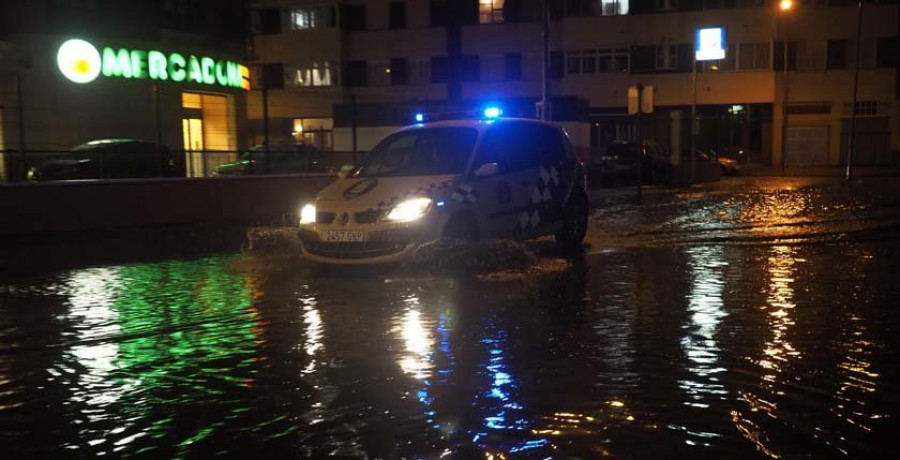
(755, 318)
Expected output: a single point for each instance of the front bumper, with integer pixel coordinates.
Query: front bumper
(382, 245)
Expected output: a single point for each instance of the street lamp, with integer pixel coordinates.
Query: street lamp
(784, 7)
(851, 148)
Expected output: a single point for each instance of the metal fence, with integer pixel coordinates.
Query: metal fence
(48, 165)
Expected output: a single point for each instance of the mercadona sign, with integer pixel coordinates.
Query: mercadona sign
(81, 62)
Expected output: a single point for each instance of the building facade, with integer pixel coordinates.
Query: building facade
(343, 74)
(171, 72)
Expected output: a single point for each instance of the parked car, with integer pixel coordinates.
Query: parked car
(463, 179)
(110, 159)
(284, 158)
(727, 164)
(619, 162)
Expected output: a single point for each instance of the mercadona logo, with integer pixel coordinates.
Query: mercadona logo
(81, 62)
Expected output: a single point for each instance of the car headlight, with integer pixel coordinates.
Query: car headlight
(308, 214)
(409, 210)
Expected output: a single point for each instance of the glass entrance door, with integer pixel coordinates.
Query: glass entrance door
(192, 130)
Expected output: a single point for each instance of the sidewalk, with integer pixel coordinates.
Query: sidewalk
(816, 171)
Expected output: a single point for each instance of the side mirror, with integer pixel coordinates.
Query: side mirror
(487, 170)
(345, 171)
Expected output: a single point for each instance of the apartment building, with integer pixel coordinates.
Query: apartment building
(343, 74)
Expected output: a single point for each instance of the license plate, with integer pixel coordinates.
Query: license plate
(342, 236)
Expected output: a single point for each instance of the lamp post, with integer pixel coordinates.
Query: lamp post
(784, 6)
(851, 148)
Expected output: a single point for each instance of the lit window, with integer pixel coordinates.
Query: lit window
(490, 11)
(312, 17)
(613, 7)
(315, 74)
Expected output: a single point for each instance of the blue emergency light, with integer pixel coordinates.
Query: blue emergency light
(420, 117)
(492, 112)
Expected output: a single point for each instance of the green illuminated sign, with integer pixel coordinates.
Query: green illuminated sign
(80, 62)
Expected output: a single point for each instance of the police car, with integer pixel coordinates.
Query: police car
(468, 179)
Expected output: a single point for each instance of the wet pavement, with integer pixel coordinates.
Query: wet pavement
(752, 318)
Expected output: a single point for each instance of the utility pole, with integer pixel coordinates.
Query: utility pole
(640, 144)
(159, 167)
(353, 125)
(545, 74)
(265, 107)
(692, 154)
(21, 116)
(851, 148)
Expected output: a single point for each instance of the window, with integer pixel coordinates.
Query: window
(471, 70)
(270, 76)
(727, 64)
(589, 61)
(437, 13)
(754, 56)
(664, 5)
(397, 15)
(267, 21)
(612, 60)
(315, 74)
(422, 152)
(399, 72)
(355, 73)
(573, 62)
(557, 64)
(810, 55)
(534, 145)
(490, 11)
(585, 8)
(836, 54)
(666, 57)
(613, 7)
(439, 69)
(314, 17)
(868, 53)
(354, 17)
(867, 108)
(512, 66)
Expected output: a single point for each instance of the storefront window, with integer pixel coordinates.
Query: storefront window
(209, 132)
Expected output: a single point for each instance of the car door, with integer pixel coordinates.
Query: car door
(506, 195)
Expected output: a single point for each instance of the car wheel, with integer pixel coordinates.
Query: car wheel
(575, 220)
(462, 227)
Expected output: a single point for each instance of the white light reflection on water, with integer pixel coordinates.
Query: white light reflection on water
(706, 265)
(313, 332)
(91, 296)
(418, 341)
(777, 352)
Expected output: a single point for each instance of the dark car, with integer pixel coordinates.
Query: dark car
(283, 159)
(619, 163)
(110, 159)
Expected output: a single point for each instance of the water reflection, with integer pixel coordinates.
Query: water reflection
(777, 351)
(147, 337)
(855, 402)
(706, 265)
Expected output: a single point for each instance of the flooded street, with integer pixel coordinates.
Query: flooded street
(752, 318)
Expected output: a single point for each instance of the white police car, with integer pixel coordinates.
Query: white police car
(463, 179)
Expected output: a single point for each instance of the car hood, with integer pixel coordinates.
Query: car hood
(360, 194)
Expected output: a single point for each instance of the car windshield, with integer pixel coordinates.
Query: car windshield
(420, 152)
